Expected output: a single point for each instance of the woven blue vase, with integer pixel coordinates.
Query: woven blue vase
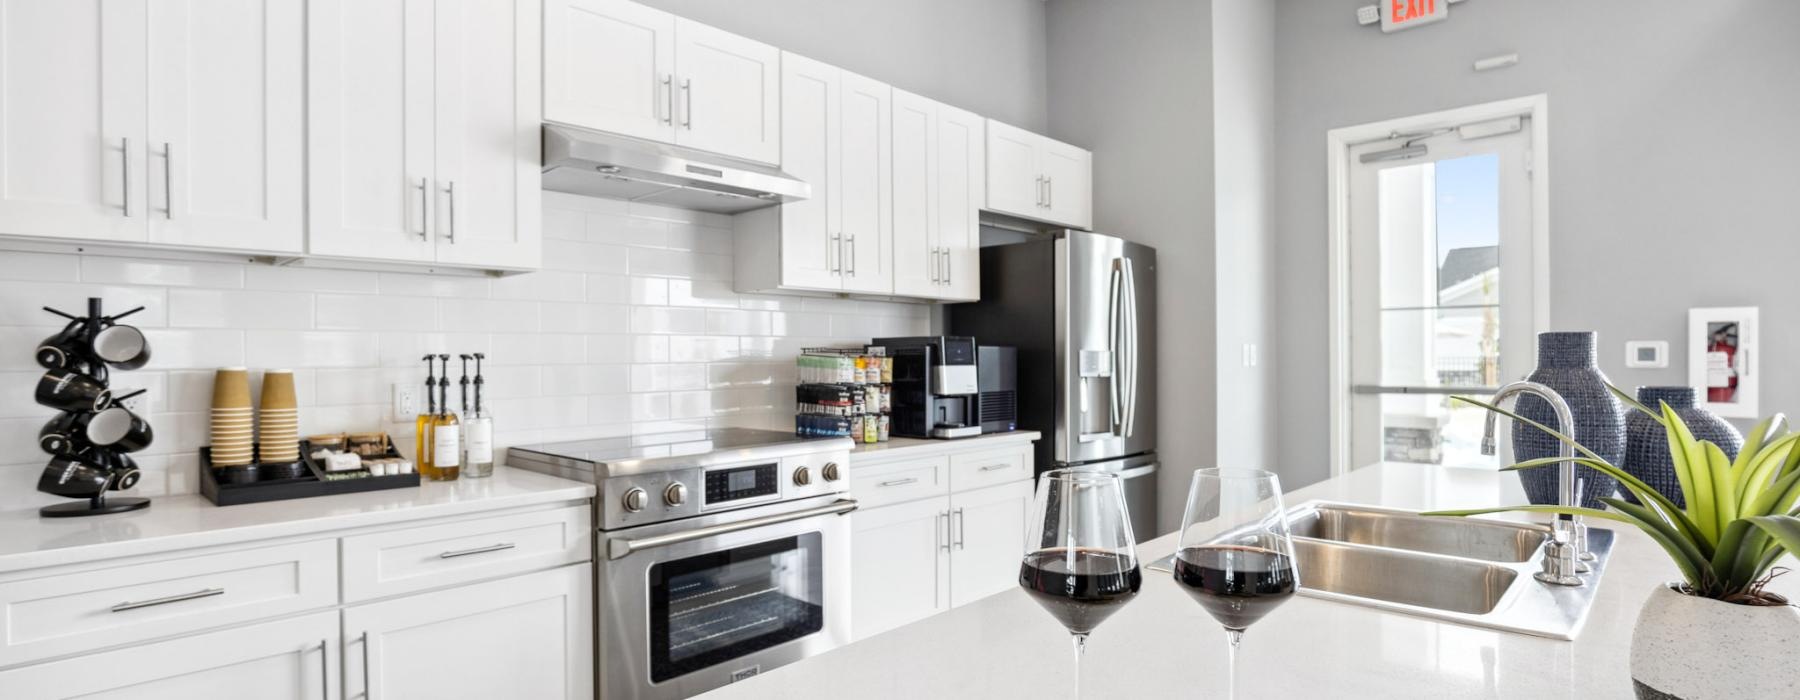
(1566, 364)
(1647, 442)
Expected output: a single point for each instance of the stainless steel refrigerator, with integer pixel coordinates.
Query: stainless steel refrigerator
(1081, 309)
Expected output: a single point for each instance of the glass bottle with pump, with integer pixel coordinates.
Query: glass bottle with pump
(446, 433)
(426, 421)
(478, 426)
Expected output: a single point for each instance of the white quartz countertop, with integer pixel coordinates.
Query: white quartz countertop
(29, 541)
(1163, 645)
(908, 448)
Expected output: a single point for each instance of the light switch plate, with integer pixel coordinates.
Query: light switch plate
(406, 402)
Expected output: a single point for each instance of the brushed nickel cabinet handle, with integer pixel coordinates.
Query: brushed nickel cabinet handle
(993, 467)
(168, 181)
(324, 670)
(667, 101)
(836, 253)
(424, 208)
(850, 240)
(478, 550)
(125, 172)
(450, 189)
(368, 692)
(165, 600)
(943, 516)
(898, 482)
(687, 98)
(960, 527)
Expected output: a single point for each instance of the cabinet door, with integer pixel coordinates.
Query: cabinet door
(918, 265)
(810, 244)
(487, 200)
(227, 135)
(1014, 182)
(292, 659)
(960, 177)
(900, 570)
(1068, 186)
(527, 637)
(72, 156)
(610, 65)
(370, 113)
(728, 90)
(866, 190)
(987, 540)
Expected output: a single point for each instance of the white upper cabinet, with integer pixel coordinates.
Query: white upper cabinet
(728, 89)
(424, 138)
(621, 67)
(1038, 178)
(610, 65)
(175, 122)
(837, 135)
(226, 140)
(938, 181)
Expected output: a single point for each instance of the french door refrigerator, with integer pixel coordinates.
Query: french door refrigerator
(1081, 309)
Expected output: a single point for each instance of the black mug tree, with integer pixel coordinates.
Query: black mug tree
(80, 468)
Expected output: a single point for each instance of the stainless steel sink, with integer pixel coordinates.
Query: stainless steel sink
(1469, 571)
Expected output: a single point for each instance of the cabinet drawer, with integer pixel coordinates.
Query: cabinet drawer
(975, 470)
(430, 556)
(76, 611)
(896, 482)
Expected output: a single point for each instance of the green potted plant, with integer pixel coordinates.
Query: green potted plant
(1740, 519)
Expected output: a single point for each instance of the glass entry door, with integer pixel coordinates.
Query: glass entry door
(1440, 288)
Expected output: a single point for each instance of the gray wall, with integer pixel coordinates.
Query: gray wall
(1243, 43)
(1132, 81)
(1673, 149)
(986, 56)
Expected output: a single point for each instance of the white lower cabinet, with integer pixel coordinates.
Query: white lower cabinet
(941, 549)
(291, 659)
(522, 637)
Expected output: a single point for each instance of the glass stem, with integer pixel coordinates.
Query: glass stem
(1080, 647)
(1234, 637)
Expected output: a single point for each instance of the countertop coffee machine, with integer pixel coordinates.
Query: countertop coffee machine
(935, 386)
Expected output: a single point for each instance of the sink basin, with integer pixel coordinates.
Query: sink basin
(1468, 571)
(1458, 537)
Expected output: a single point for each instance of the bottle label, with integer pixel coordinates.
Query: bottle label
(481, 442)
(444, 448)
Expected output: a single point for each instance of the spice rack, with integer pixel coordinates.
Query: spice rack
(844, 392)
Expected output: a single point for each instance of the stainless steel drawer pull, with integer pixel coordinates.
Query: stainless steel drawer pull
(424, 209)
(477, 550)
(992, 467)
(899, 482)
(168, 182)
(324, 670)
(133, 605)
(125, 172)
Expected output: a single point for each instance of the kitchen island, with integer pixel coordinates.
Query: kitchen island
(1163, 645)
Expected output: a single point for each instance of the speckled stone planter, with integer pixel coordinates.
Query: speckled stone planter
(1701, 649)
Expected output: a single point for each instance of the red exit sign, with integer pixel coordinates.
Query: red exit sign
(1406, 14)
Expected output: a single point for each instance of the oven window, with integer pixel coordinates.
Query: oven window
(721, 606)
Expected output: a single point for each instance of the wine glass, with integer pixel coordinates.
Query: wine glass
(1236, 557)
(1081, 564)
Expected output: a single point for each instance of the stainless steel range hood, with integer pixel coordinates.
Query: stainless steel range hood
(579, 161)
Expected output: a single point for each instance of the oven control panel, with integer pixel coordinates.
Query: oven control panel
(641, 499)
(741, 484)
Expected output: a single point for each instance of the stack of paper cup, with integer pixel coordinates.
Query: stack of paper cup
(280, 417)
(233, 430)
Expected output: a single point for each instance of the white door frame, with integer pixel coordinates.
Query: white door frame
(1337, 154)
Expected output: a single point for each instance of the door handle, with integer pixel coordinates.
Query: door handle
(687, 98)
(478, 550)
(934, 267)
(165, 600)
(424, 207)
(168, 181)
(1131, 339)
(835, 255)
(943, 529)
(665, 107)
(324, 670)
(949, 273)
(1114, 320)
(125, 172)
(959, 528)
(450, 189)
(1049, 193)
(368, 692)
(898, 482)
(850, 242)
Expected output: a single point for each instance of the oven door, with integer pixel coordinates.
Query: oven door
(692, 605)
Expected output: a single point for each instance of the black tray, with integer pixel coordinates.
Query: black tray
(310, 483)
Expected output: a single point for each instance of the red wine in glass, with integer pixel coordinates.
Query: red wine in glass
(1078, 586)
(1235, 584)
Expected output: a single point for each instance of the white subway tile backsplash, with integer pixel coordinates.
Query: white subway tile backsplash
(632, 327)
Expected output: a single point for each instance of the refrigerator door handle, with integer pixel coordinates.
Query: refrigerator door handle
(1131, 338)
(1115, 311)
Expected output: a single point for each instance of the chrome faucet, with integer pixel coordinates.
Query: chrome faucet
(1566, 554)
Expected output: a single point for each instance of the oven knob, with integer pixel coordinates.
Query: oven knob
(802, 476)
(635, 500)
(830, 472)
(675, 494)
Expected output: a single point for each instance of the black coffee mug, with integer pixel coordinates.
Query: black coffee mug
(62, 435)
(124, 471)
(67, 390)
(115, 428)
(124, 347)
(73, 477)
(64, 349)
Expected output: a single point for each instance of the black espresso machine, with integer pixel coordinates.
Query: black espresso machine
(938, 390)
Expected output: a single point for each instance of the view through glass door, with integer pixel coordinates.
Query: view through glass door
(1440, 288)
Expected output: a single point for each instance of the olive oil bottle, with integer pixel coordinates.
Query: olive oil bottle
(426, 421)
(446, 433)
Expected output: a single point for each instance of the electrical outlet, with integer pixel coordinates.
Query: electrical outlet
(406, 402)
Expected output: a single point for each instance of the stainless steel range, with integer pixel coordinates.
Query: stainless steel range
(720, 554)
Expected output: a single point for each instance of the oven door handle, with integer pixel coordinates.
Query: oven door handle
(620, 548)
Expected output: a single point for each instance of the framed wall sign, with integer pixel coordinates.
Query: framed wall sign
(1722, 360)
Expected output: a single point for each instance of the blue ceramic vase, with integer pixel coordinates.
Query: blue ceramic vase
(1566, 364)
(1647, 442)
